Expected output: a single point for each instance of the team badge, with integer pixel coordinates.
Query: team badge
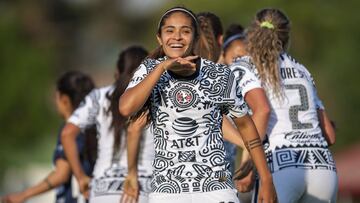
(183, 96)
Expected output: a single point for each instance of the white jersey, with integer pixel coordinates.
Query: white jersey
(244, 70)
(247, 80)
(187, 118)
(294, 134)
(110, 171)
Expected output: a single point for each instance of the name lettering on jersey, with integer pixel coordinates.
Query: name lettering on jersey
(303, 137)
(290, 73)
(185, 142)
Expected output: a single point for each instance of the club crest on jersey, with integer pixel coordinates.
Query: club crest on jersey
(183, 96)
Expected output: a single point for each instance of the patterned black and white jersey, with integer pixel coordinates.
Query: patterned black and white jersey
(294, 135)
(248, 80)
(187, 119)
(108, 172)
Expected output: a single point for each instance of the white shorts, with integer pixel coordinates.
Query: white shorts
(294, 185)
(105, 198)
(109, 190)
(217, 196)
(116, 199)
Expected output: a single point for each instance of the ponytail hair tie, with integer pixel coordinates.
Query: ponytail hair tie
(267, 24)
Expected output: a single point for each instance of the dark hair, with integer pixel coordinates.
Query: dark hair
(128, 61)
(76, 85)
(232, 33)
(210, 30)
(215, 22)
(158, 52)
(268, 36)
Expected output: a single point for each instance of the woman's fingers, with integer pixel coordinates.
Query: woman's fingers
(184, 61)
(167, 64)
(185, 65)
(267, 193)
(124, 198)
(144, 115)
(190, 58)
(86, 194)
(128, 198)
(244, 170)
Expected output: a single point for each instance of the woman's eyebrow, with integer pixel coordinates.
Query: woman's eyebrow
(168, 26)
(172, 26)
(186, 26)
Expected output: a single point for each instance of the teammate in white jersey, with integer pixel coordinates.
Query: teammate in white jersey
(209, 48)
(211, 37)
(234, 46)
(234, 43)
(71, 89)
(100, 107)
(187, 97)
(255, 96)
(299, 131)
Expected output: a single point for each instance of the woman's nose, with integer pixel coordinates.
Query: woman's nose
(177, 35)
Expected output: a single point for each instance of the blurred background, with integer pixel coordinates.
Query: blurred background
(40, 39)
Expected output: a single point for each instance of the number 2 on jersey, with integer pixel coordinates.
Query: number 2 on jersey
(294, 110)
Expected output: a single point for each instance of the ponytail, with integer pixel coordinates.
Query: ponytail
(207, 46)
(268, 37)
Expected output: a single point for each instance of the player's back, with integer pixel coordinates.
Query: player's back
(296, 109)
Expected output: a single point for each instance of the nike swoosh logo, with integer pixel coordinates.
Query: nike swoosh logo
(181, 110)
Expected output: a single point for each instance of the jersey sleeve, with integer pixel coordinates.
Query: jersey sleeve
(237, 107)
(138, 76)
(85, 114)
(247, 80)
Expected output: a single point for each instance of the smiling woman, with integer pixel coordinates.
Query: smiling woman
(177, 33)
(175, 37)
(187, 95)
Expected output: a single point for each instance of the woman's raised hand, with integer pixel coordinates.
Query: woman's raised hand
(181, 66)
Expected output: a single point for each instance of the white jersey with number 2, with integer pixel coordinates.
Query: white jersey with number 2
(295, 139)
(297, 153)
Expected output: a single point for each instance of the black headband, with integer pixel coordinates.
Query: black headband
(232, 38)
(181, 10)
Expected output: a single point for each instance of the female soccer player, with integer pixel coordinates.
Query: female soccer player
(72, 87)
(211, 28)
(234, 43)
(101, 108)
(187, 97)
(210, 38)
(299, 130)
(234, 47)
